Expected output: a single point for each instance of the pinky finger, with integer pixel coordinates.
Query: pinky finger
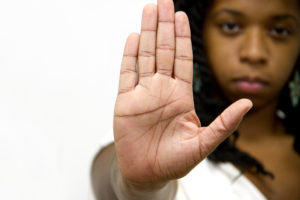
(128, 73)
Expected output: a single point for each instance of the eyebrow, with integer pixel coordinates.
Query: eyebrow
(229, 11)
(239, 14)
(285, 17)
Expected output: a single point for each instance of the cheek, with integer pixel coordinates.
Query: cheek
(220, 57)
(284, 64)
(222, 64)
(281, 77)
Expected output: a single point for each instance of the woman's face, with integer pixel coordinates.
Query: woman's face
(252, 46)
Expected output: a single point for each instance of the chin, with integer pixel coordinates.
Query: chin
(259, 101)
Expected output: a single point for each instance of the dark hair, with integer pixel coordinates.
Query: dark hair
(209, 101)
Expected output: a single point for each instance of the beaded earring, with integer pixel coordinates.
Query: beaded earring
(294, 86)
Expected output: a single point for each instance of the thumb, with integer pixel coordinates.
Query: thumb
(228, 121)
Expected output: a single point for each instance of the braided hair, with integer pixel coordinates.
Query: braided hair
(209, 101)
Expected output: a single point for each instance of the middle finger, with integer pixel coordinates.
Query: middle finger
(165, 45)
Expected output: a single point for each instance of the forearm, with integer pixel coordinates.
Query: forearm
(109, 184)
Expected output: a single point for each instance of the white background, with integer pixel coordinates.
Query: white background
(59, 70)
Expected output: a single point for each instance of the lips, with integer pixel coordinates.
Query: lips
(250, 85)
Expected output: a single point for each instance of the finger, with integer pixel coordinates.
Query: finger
(183, 69)
(223, 126)
(146, 57)
(165, 46)
(128, 76)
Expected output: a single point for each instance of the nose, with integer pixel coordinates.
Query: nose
(254, 49)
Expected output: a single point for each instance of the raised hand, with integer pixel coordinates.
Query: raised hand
(158, 136)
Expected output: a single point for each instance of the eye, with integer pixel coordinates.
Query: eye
(280, 32)
(230, 28)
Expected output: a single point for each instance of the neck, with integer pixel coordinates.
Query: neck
(260, 123)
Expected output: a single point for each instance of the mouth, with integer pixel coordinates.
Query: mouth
(250, 85)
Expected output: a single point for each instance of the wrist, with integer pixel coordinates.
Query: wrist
(130, 190)
(143, 187)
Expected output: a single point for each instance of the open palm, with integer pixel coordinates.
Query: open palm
(158, 136)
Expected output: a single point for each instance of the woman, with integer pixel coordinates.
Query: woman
(242, 49)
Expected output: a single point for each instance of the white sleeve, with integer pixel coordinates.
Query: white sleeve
(106, 140)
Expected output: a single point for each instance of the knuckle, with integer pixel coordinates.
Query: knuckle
(165, 71)
(145, 74)
(165, 46)
(184, 57)
(146, 53)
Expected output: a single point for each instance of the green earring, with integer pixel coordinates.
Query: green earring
(197, 83)
(294, 86)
